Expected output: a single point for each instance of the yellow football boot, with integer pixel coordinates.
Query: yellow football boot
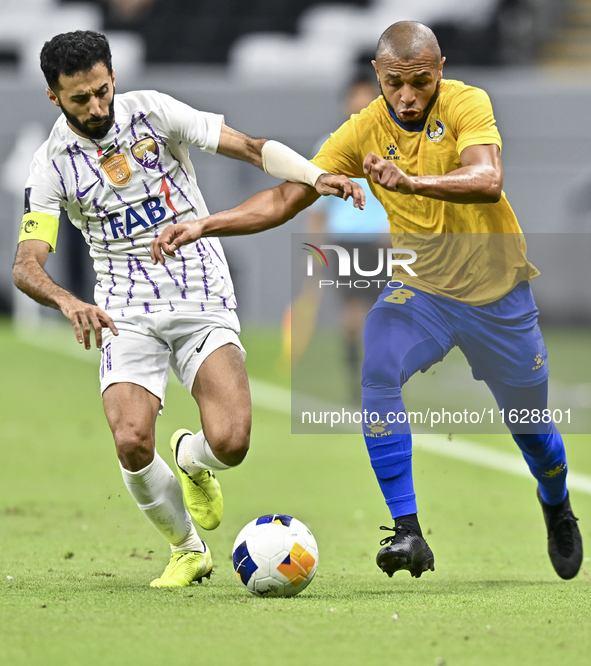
(202, 492)
(184, 567)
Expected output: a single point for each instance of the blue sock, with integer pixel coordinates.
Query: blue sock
(546, 459)
(394, 349)
(390, 449)
(540, 443)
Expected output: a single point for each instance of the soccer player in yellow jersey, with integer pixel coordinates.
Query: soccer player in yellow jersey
(431, 153)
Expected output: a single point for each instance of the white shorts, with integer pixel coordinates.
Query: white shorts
(148, 345)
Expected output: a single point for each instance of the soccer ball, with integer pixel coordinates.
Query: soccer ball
(275, 556)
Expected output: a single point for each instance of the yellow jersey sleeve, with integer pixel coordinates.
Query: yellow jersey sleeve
(39, 226)
(339, 154)
(472, 118)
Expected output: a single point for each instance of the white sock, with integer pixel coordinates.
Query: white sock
(194, 454)
(192, 542)
(159, 497)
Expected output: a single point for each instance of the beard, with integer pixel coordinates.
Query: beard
(421, 120)
(99, 132)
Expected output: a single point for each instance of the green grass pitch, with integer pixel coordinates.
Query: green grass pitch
(77, 557)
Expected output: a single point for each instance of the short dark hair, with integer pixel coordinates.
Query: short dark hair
(73, 52)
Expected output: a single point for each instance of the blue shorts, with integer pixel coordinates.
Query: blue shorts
(501, 340)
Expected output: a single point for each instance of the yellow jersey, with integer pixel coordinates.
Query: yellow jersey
(470, 266)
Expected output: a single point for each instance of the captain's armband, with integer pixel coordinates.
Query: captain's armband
(39, 226)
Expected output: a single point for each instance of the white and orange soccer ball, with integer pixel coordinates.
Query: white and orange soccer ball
(275, 556)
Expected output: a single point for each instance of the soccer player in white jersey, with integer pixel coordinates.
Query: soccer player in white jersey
(119, 165)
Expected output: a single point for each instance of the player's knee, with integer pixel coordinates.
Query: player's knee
(135, 447)
(378, 372)
(230, 446)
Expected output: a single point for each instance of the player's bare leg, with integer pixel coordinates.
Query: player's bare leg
(131, 411)
(221, 390)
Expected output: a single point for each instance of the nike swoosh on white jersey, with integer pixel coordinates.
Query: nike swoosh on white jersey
(81, 193)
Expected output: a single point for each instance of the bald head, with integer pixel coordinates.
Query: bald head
(409, 68)
(407, 40)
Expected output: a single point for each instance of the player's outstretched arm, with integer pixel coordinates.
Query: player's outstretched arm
(265, 210)
(282, 162)
(478, 180)
(31, 278)
(240, 146)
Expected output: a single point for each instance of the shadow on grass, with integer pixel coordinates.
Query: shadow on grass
(448, 588)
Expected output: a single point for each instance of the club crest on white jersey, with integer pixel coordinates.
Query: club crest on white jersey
(146, 152)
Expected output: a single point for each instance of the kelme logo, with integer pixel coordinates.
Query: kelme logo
(539, 362)
(391, 151)
(551, 473)
(378, 429)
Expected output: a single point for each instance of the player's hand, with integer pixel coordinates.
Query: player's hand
(84, 316)
(172, 238)
(342, 187)
(388, 175)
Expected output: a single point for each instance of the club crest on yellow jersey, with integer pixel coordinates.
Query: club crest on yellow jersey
(435, 130)
(117, 169)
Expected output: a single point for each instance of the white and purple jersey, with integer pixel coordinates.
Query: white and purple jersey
(123, 190)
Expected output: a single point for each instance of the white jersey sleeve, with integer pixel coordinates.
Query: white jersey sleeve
(44, 194)
(43, 191)
(188, 125)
